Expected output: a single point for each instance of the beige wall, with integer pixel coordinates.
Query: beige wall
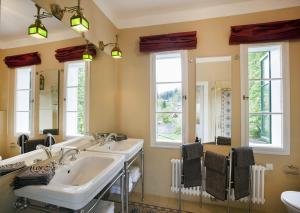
(3, 84)
(213, 36)
(103, 89)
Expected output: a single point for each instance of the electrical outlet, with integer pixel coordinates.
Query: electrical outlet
(269, 166)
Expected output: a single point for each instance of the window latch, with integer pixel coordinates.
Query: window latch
(184, 97)
(245, 97)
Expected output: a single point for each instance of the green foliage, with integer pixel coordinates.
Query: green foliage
(169, 124)
(81, 101)
(254, 68)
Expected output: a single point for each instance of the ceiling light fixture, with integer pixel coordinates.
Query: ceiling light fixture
(37, 29)
(116, 51)
(77, 21)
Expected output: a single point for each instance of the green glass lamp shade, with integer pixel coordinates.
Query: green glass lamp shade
(37, 30)
(116, 52)
(79, 23)
(87, 56)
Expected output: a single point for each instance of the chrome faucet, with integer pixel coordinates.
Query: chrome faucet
(73, 151)
(46, 149)
(111, 137)
(106, 138)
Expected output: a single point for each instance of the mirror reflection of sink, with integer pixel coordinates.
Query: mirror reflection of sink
(127, 147)
(75, 184)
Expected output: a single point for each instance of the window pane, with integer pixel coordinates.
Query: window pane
(71, 124)
(23, 78)
(76, 74)
(22, 122)
(168, 68)
(265, 96)
(277, 97)
(169, 127)
(255, 64)
(72, 99)
(264, 62)
(265, 66)
(265, 129)
(276, 62)
(23, 100)
(75, 103)
(169, 97)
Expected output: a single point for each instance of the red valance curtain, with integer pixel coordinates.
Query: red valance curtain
(168, 42)
(265, 32)
(74, 53)
(22, 60)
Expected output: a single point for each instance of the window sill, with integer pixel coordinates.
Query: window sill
(271, 150)
(166, 145)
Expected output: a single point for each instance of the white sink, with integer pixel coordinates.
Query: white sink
(128, 147)
(75, 184)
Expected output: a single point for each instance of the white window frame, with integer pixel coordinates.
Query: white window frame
(87, 95)
(184, 64)
(32, 101)
(285, 149)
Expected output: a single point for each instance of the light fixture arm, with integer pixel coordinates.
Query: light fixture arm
(43, 14)
(58, 12)
(102, 45)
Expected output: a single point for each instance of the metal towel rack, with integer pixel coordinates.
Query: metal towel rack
(229, 186)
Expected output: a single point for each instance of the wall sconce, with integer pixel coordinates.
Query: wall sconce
(87, 56)
(37, 29)
(115, 52)
(42, 82)
(78, 22)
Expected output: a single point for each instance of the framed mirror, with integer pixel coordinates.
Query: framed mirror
(48, 102)
(30, 95)
(213, 100)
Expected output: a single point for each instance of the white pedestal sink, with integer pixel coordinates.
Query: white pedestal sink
(129, 147)
(76, 183)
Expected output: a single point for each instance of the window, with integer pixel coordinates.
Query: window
(168, 98)
(76, 98)
(265, 91)
(24, 97)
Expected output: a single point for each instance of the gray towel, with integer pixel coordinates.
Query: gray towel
(216, 175)
(31, 145)
(216, 162)
(242, 158)
(192, 151)
(35, 175)
(223, 140)
(5, 169)
(191, 154)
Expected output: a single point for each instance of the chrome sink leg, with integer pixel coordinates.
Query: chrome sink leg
(126, 172)
(142, 156)
(123, 192)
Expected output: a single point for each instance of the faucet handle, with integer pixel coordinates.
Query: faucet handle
(73, 157)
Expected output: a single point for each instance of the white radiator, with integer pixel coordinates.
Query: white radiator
(258, 183)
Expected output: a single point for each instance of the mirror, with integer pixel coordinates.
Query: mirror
(49, 102)
(213, 100)
(42, 104)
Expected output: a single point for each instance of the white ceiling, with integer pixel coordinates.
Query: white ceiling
(136, 13)
(17, 15)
